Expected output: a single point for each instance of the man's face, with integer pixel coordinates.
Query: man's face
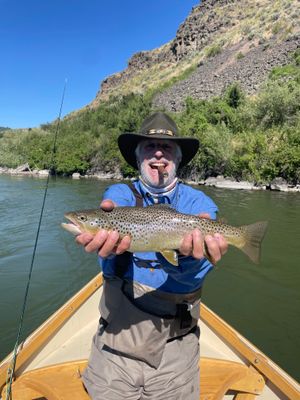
(155, 154)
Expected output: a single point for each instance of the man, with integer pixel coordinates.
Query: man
(147, 343)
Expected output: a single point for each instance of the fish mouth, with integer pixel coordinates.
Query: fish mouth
(72, 226)
(71, 219)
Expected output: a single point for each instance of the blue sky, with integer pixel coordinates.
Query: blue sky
(44, 42)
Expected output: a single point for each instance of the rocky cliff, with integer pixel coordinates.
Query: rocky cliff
(220, 42)
(212, 77)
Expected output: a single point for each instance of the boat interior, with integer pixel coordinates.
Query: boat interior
(51, 360)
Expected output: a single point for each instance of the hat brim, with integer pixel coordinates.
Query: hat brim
(128, 142)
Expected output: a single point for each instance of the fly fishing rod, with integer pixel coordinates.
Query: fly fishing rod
(12, 367)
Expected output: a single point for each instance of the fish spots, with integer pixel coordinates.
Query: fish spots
(151, 228)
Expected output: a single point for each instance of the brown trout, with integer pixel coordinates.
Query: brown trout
(160, 228)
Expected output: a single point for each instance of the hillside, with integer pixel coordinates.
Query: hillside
(220, 42)
(230, 77)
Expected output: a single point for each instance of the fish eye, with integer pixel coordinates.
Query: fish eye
(82, 218)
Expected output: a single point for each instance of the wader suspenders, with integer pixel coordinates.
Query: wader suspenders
(122, 261)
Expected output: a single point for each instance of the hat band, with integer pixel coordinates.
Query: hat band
(160, 132)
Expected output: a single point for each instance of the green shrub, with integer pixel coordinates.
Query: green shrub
(296, 57)
(234, 96)
(289, 70)
(213, 51)
(240, 55)
(38, 150)
(276, 28)
(214, 157)
(74, 153)
(254, 138)
(278, 104)
(287, 155)
(11, 150)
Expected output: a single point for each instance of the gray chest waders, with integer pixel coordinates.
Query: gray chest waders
(130, 326)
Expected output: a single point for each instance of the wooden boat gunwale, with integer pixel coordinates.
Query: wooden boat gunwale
(40, 336)
(255, 358)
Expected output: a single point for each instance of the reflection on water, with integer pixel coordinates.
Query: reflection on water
(262, 302)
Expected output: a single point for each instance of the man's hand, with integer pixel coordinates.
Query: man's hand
(104, 242)
(193, 244)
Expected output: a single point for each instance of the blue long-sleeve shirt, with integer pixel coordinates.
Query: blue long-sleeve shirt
(152, 269)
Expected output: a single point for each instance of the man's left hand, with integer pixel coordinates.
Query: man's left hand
(193, 244)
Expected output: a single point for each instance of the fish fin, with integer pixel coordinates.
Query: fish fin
(171, 256)
(254, 235)
(222, 221)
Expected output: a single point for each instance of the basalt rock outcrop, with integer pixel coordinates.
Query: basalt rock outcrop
(213, 76)
(249, 38)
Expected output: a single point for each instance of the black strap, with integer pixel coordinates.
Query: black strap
(121, 264)
(122, 260)
(184, 316)
(193, 330)
(137, 195)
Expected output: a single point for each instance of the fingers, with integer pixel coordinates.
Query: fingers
(113, 245)
(104, 242)
(107, 205)
(109, 244)
(223, 245)
(186, 246)
(216, 246)
(92, 243)
(192, 244)
(197, 244)
(212, 249)
(204, 215)
(84, 239)
(123, 245)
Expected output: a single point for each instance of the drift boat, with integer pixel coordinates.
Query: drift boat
(50, 361)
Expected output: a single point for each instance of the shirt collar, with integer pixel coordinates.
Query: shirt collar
(162, 197)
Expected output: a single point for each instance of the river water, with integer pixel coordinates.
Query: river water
(262, 302)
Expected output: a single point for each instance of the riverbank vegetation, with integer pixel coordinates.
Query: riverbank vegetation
(253, 138)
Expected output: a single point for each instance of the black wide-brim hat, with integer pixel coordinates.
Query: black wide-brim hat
(157, 126)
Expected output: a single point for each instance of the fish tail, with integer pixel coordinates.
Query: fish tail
(254, 235)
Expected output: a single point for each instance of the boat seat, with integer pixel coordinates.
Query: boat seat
(58, 382)
(62, 382)
(219, 377)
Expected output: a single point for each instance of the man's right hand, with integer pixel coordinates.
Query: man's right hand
(104, 242)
